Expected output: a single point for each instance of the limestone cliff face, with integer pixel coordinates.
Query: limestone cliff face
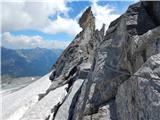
(111, 76)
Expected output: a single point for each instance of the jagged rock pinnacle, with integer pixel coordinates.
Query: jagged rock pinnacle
(111, 76)
(87, 19)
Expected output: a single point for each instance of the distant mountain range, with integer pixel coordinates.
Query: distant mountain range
(27, 62)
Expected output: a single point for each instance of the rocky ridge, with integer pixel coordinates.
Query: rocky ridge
(112, 75)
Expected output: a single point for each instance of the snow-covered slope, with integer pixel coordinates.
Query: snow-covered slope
(16, 104)
(43, 108)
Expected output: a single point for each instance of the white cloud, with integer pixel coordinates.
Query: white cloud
(22, 41)
(103, 14)
(34, 15)
(66, 25)
(26, 14)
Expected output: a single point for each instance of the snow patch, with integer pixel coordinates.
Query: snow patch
(21, 111)
(16, 104)
(44, 108)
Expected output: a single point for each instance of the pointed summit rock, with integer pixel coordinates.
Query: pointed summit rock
(75, 62)
(87, 19)
(80, 51)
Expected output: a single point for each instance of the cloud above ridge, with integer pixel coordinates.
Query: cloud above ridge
(25, 42)
(25, 14)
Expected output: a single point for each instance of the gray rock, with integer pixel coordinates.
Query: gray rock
(87, 19)
(105, 61)
(81, 48)
(152, 9)
(139, 97)
(106, 112)
(128, 43)
(65, 108)
(120, 83)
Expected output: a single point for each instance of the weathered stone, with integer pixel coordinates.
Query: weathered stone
(139, 97)
(105, 61)
(120, 83)
(153, 10)
(106, 112)
(81, 48)
(87, 19)
(65, 108)
(128, 43)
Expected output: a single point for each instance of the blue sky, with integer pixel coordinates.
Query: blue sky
(52, 23)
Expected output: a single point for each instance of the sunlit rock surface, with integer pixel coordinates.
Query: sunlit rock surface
(112, 75)
(138, 98)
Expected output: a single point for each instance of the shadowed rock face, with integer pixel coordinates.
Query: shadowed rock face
(113, 76)
(128, 43)
(152, 10)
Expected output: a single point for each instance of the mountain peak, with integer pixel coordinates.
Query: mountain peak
(109, 76)
(87, 19)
